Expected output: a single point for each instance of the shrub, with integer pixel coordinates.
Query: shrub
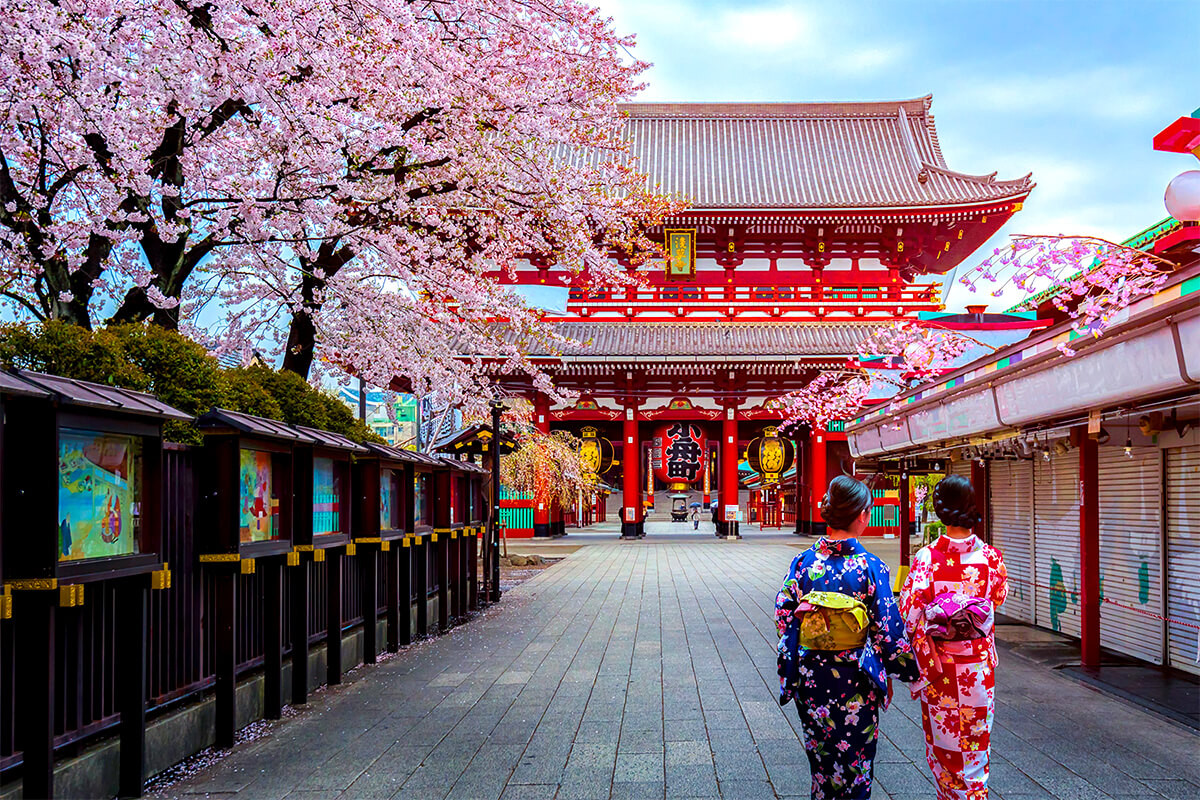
(177, 370)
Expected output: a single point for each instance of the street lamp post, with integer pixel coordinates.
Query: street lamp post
(493, 543)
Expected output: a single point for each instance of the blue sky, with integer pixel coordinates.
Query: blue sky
(1070, 91)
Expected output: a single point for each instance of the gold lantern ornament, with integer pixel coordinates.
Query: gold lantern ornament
(769, 455)
(595, 450)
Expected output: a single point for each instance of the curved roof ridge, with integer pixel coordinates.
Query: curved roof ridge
(777, 109)
(989, 179)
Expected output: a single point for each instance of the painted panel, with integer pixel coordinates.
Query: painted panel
(389, 501)
(1144, 365)
(259, 503)
(99, 494)
(327, 496)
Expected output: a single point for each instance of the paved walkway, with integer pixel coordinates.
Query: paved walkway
(647, 669)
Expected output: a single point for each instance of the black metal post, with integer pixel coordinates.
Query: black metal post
(333, 619)
(272, 588)
(133, 600)
(494, 532)
(301, 580)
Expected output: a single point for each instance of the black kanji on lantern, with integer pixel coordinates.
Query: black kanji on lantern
(683, 454)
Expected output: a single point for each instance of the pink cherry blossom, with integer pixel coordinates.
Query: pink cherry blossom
(338, 180)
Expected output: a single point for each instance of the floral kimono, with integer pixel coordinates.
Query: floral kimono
(839, 692)
(958, 685)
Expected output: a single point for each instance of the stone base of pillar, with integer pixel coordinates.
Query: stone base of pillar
(731, 530)
(558, 528)
(633, 530)
(818, 529)
(541, 530)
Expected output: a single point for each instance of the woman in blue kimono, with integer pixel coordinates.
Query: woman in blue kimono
(841, 636)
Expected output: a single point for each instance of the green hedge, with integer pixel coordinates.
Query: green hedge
(177, 370)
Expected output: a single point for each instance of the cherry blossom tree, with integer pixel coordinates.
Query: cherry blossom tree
(348, 172)
(1093, 278)
(835, 394)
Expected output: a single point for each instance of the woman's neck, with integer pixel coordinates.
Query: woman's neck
(955, 532)
(834, 533)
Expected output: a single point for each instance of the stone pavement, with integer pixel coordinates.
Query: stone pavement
(647, 669)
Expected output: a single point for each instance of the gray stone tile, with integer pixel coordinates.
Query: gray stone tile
(612, 674)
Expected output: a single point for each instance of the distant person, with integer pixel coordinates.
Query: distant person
(695, 519)
(949, 603)
(841, 636)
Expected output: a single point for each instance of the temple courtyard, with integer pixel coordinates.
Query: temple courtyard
(646, 669)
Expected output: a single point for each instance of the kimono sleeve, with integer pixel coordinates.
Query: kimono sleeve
(887, 629)
(788, 598)
(914, 597)
(998, 590)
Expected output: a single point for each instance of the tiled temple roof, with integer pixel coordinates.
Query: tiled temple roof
(803, 156)
(734, 340)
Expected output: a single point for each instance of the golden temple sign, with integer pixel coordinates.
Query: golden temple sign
(681, 253)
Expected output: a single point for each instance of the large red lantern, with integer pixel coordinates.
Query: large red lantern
(679, 454)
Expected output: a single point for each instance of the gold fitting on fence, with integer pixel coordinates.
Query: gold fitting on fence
(293, 559)
(6, 606)
(318, 556)
(433, 537)
(351, 549)
(160, 578)
(406, 541)
(220, 558)
(416, 540)
(385, 547)
(368, 540)
(305, 548)
(247, 565)
(70, 595)
(31, 584)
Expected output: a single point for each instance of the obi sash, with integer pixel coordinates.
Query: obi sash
(952, 616)
(832, 621)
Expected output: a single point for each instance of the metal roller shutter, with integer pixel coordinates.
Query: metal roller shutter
(1131, 551)
(1183, 557)
(1056, 542)
(962, 468)
(1011, 518)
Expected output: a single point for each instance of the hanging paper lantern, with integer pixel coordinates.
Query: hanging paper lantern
(1183, 196)
(769, 455)
(679, 454)
(595, 451)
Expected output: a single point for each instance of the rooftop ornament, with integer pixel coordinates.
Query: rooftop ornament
(1182, 198)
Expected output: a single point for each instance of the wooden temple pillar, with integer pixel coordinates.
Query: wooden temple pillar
(905, 525)
(632, 525)
(541, 501)
(1089, 551)
(979, 481)
(816, 483)
(728, 490)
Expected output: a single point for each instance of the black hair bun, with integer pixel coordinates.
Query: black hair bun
(954, 502)
(845, 500)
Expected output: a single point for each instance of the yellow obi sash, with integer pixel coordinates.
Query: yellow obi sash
(832, 621)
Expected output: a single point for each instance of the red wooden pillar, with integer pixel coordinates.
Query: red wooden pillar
(631, 513)
(541, 500)
(728, 490)
(817, 481)
(979, 481)
(905, 517)
(1089, 552)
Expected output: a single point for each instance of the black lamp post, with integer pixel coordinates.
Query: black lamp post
(494, 523)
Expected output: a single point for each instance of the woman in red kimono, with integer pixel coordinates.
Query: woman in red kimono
(948, 604)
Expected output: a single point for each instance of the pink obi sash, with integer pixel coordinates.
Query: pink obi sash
(955, 617)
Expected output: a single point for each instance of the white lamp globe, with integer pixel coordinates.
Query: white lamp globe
(1183, 196)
